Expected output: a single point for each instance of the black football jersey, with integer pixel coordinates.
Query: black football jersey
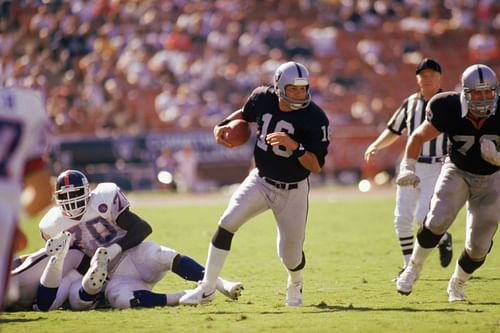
(308, 126)
(444, 111)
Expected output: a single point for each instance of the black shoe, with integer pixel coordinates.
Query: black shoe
(446, 251)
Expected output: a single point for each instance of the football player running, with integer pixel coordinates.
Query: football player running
(292, 141)
(471, 120)
(102, 225)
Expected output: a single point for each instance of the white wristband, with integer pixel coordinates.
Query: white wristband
(408, 164)
(113, 251)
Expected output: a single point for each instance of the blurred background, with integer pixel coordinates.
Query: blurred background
(134, 87)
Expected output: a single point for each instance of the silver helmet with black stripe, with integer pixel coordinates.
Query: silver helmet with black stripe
(292, 73)
(479, 78)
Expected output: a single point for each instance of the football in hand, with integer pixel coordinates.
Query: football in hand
(238, 132)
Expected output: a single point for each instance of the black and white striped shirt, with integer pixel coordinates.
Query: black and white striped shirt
(409, 116)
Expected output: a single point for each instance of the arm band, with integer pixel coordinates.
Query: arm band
(299, 152)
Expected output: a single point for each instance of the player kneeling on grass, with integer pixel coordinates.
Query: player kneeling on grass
(102, 225)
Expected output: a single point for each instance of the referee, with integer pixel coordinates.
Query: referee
(412, 203)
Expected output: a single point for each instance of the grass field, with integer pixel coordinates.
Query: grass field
(352, 256)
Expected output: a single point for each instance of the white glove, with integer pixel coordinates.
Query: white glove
(489, 152)
(113, 251)
(407, 176)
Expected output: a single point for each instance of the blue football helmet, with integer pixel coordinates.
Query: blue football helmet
(72, 193)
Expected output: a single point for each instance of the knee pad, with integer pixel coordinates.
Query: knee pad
(222, 239)
(427, 239)
(467, 264)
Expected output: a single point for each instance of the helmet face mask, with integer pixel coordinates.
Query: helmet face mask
(292, 73)
(479, 91)
(72, 193)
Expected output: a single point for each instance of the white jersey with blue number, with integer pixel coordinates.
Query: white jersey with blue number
(97, 227)
(24, 130)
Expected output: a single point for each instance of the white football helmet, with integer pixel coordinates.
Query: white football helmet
(292, 73)
(72, 193)
(479, 78)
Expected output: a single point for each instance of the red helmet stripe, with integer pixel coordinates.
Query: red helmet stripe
(66, 179)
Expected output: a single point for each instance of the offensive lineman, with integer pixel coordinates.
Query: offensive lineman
(24, 130)
(470, 175)
(292, 141)
(100, 221)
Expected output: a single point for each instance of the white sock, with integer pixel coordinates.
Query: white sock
(52, 274)
(219, 284)
(406, 259)
(420, 254)
(295, 277)
(443, 239)
(215, 262)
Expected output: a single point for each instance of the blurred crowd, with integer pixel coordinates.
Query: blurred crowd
(132, 66)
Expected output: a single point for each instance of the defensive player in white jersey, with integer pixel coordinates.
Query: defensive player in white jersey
(100, 220)
(24, 128)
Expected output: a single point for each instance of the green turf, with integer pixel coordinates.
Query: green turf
(352, 256)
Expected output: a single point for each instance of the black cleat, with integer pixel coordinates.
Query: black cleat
(446, 251)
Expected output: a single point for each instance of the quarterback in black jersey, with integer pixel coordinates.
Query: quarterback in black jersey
(292, 141)
(471, 120)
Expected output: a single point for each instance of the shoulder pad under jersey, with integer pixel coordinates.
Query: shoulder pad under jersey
(53, 222)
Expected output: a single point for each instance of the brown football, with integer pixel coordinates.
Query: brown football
(238, 133)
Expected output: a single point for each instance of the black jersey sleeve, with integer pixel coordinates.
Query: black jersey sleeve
(318, 136)
(257, 98)
(440, 110)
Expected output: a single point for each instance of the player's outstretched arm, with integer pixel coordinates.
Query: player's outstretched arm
(385, 139)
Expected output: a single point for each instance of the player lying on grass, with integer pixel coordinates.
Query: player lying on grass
(53, 277)
(102, 225)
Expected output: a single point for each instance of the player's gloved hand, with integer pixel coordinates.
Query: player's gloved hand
(407, 176)
(113, 251)
(489, 152)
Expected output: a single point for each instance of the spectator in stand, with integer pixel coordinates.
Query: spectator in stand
(186, 177)
(198, 45)
(483, 46)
